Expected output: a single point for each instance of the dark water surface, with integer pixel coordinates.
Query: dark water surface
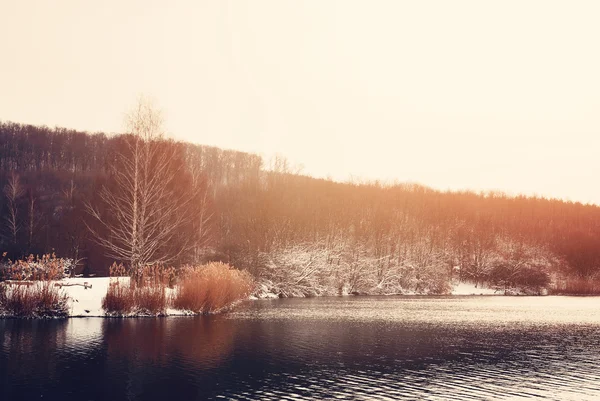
(366, 348)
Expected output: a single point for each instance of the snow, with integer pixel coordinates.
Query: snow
(470, 289)
(87, 302)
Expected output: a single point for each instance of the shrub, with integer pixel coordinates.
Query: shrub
(533, 278)
(211, 288)
(47, 267)
(577, 287)
(39, 299)
(530, 278)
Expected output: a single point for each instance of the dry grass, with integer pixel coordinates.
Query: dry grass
(211, 288)
(143, 294)
(30, 291)
(577, 287)
(202, 289)
(39, 299)
(123, 298)
(150, 300)
(119, 298)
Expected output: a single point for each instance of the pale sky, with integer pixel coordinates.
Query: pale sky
(482, 95)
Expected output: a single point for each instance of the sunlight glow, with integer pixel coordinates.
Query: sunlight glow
(463, 95)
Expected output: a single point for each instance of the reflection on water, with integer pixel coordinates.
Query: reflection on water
(202, 342)
(324, 348)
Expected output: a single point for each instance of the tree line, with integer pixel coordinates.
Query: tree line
(71, 193)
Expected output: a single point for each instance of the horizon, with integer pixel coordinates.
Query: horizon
(441, 95)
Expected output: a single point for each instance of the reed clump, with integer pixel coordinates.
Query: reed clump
(27, 289)
(40, 299)
(211, 288)
(151, 290)
(139, 292)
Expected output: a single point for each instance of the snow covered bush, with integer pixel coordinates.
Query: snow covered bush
(211, 288)
(301, 270)
(46, 267)
(338, 268)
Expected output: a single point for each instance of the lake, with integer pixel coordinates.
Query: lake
(363, 348)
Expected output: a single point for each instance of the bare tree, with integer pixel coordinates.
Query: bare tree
(477, 254)
(33, 219)
(74, 232)
(145, 213)
(13, 190)
(300, 270)
(521, 265)
(201, 211)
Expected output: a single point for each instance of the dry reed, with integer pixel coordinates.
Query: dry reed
(38, 299)
(30, 291)
(144, 293)
(211, 288)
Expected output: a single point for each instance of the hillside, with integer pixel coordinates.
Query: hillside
(298, 235)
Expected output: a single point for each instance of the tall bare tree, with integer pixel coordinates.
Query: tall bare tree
(74, 230)
(35, 219)
(144, 212)
(201, 212)
(13, 190)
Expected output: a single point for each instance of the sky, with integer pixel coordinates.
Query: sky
(480, 95)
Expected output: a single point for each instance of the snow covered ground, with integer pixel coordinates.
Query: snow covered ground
(470, 289)
(87, 302)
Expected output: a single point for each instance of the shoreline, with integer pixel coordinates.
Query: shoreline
(85, 299)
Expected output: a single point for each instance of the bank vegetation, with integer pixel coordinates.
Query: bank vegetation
(142, 199)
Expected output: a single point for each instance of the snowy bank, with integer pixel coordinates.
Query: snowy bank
(458, 288)
(86, 301)
(84, 296)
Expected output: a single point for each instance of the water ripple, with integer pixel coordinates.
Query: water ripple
(480, 348)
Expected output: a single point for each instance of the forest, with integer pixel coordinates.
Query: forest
(62, 194)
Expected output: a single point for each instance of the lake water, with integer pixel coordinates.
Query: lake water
(364, 348)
